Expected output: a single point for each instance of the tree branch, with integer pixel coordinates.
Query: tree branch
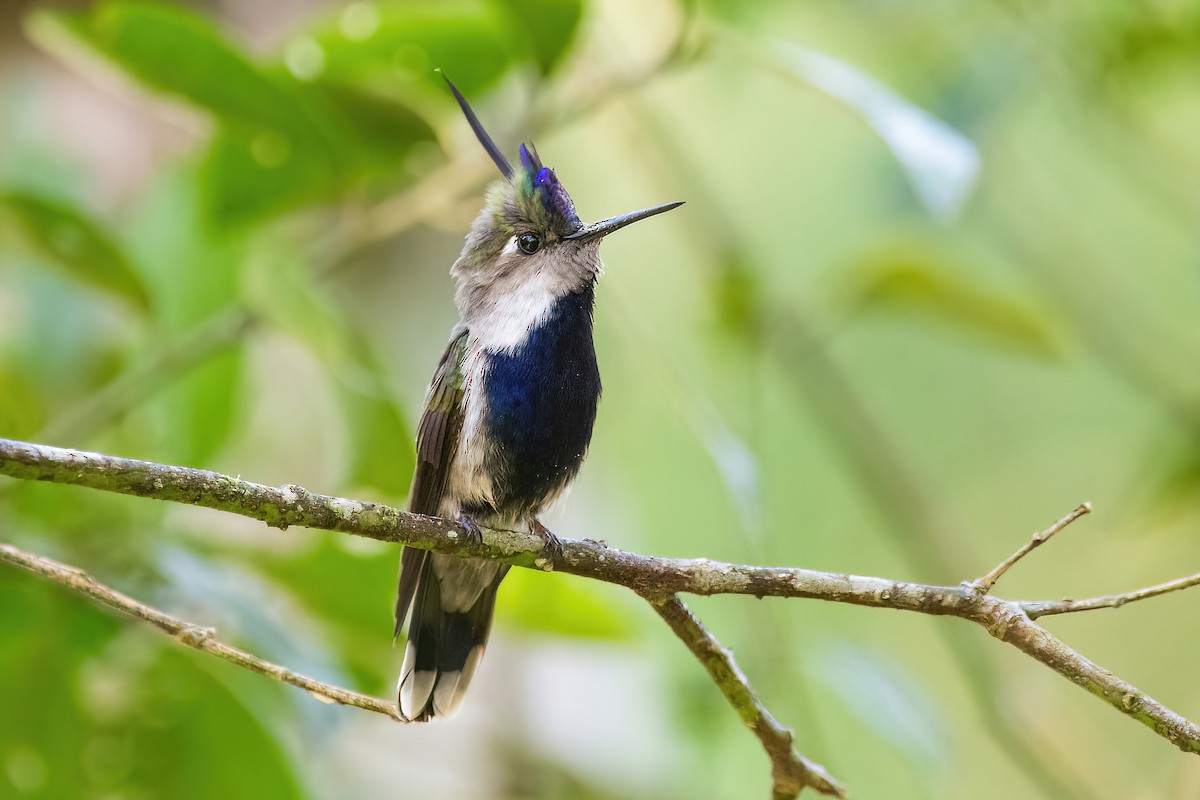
(656, 579)
(1045, 608)
(790, 771)
(985, 583)
(187, 633)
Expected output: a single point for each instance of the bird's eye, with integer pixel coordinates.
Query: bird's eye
(528, 243)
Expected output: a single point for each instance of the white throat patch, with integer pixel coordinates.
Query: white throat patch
(504, 323)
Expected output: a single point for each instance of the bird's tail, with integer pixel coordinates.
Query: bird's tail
(452, 602)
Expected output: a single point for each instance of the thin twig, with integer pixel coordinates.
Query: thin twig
(187, 633)
(984, 584)
(790, 771)
(1046, 608)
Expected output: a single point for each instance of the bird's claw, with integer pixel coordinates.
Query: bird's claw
(552, 547)
(474, 533)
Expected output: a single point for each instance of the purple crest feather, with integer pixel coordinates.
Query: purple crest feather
(555, 197)
(530, 160)
(546, 187)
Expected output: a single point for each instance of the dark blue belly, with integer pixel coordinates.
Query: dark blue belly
(541, 405)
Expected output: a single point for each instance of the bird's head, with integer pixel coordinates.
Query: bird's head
(528, 238)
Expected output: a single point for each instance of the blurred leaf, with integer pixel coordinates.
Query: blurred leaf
(1145, 41)
(278, 145)
(384, 130)
(195, 268)
(270, 153)
(251, 175)
(887, 699)
(308, 130)
(205, 70)
(48, 637)
(65, 238)
(941, 164)
(917, 287)
(119, 708)
(563, 605)
(1176, 470)
(202, 407)
(391, 46)
(202, 724)
(736, 292)
(548, 26)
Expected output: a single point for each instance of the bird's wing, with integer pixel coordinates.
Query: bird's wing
(437, 435)
(437, 440)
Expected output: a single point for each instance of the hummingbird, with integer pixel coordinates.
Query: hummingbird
(508, 416)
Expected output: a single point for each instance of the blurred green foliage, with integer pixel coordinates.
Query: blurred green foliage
(936, 283)
(61, 236)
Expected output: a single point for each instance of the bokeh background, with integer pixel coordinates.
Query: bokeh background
(937, 281)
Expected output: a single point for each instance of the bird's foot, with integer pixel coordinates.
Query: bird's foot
(552, 547)
(474, 532)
